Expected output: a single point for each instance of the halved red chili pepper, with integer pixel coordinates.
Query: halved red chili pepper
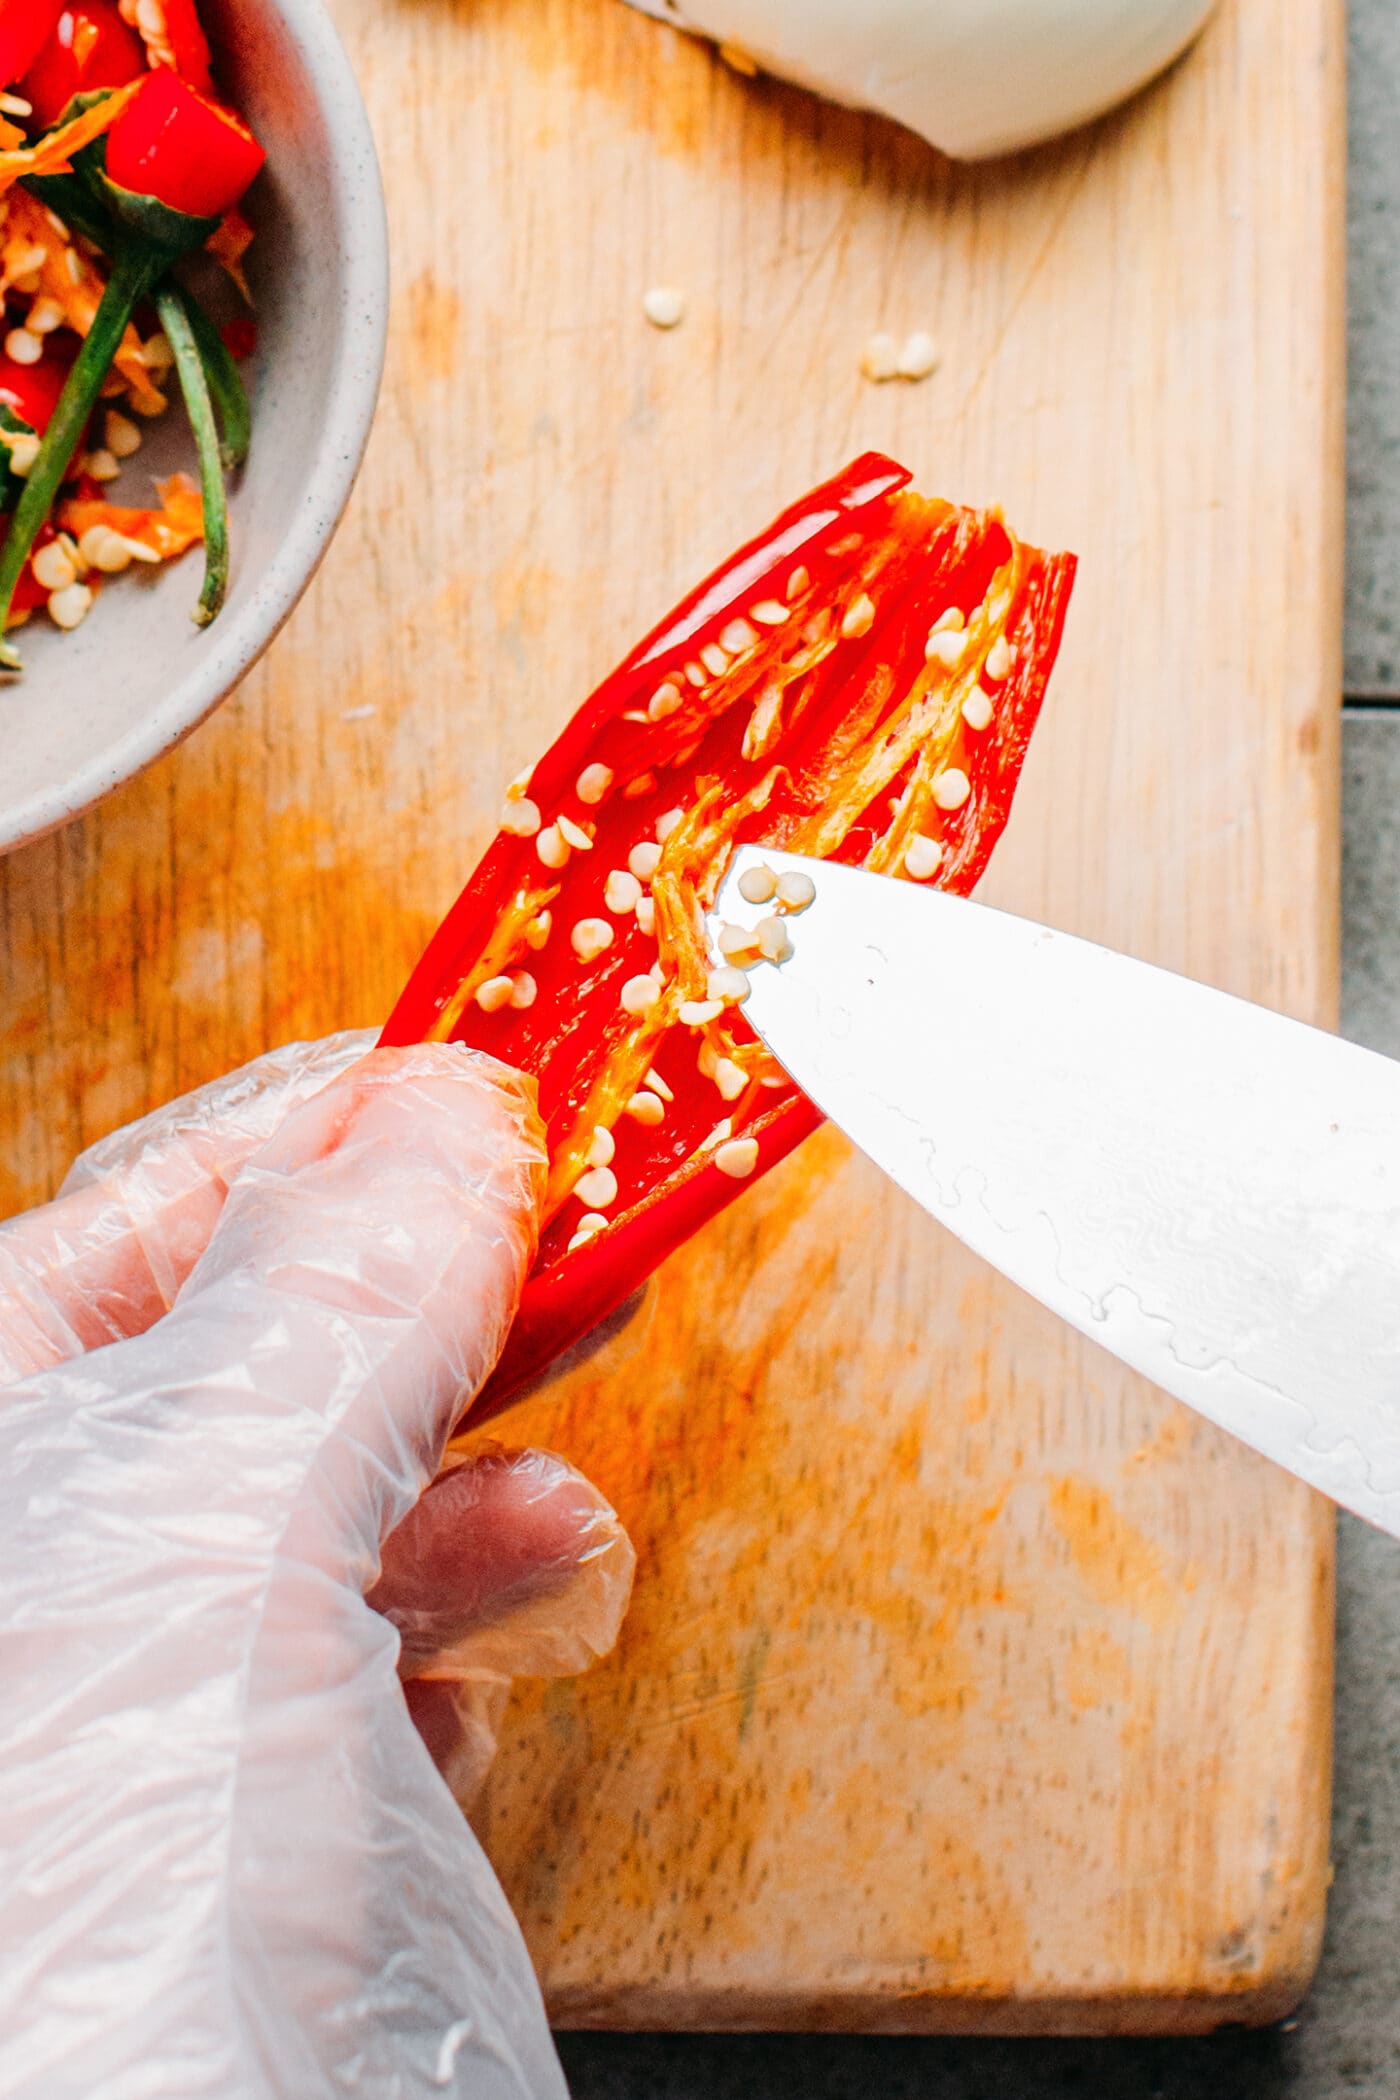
(90, 47)
(25, 27)
(176, 145)
(859, 684)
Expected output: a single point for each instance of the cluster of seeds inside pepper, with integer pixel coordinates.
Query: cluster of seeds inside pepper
(854, 716)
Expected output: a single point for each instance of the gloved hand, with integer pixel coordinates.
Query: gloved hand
(228, 1866)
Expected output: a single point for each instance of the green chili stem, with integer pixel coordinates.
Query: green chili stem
(132, 277)
(225, 383)
(175, 320)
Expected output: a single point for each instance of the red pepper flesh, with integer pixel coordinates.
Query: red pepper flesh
(25, 27)
(184, 34)
(91, 47)
(175, 145)
(32, 391)
(864, 675)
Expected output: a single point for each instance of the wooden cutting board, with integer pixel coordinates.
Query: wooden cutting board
(969, 1683)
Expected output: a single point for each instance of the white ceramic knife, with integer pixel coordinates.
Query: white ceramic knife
(1207, 1189)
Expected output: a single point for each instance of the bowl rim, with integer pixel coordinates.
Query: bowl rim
(236, 642)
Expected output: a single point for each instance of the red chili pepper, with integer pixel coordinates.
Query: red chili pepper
(175, 145)
(25, 27)
(808, 695)
(32, 391)
(90, 47)
(185, 36)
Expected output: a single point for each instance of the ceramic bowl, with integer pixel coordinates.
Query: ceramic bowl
(96, 705)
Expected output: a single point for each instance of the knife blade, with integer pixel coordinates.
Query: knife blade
(1209, 1190)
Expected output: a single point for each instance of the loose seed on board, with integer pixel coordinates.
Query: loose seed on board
(642, 860)
(69, 607)
(496, 993)
(622, 892)
(734, 941)
(521, 817)
(664, 701)
(646, 1108)
(538, 930)
(1000, 658)
(918, 356)
(951, 788)
(879, 360)
(730, 987)
(698, 1013)
(977, 708)
(646, 915)
(737, 1158)
(597, 1188)
(593, 783)
(945, 646)
(639, 995)
(923, 857)
(551, 847)
(589, 938)
(101, 465)
(602, 1148)
(523, 991)
(795, 890)
(575, 835)
(858, 619)
(758, 885)
(663, 306)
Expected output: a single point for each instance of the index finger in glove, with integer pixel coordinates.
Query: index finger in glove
(107, 1257)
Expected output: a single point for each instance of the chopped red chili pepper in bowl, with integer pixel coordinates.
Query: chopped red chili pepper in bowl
(116, 163)
(858, 684)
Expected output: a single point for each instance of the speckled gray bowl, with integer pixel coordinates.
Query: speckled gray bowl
(96, 705)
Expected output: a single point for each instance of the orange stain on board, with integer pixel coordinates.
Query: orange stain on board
(1115, 1561)
(435, 320)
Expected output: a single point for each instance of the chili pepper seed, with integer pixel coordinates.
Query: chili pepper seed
(1000, 658)
(715, 659)
(538, 930)
(731, 1079)
(602, 1148)
(520, 817)
(646, 915)
(730, 987)
(795, 890)
(798, 582)
(552, 847)
(922, 858)
(593, 784)
(664, 306)
(646, 1108)
(24, 348)
(597, 1188)
(590, 937)
(773, 942)
(769, 613)
(666, 824)
(737, 1158)
(945, 646)
(952, 788)
(639, 995)
(69, 607)
(663, 702)
(53, 567)
(524, 991)
(879, 360)
(658, 1085)
(977, 708)
(758, 885)
(575, 835)
(698, 1013)
(642, 860)
(918, 356)
(497, 992)
(622, 892)
(859, 618)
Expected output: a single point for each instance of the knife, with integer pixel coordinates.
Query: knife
(1209, 1190)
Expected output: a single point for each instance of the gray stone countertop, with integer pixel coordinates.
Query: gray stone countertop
(1346, 2039)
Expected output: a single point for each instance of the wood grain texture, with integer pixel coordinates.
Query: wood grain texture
(970, 1684)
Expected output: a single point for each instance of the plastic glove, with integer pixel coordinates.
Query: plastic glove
(227, 1864)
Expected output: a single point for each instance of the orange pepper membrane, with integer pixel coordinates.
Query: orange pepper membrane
(874, 709)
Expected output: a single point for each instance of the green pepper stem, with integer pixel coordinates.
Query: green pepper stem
(175, 320)
(133, 275)
(225, 383)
